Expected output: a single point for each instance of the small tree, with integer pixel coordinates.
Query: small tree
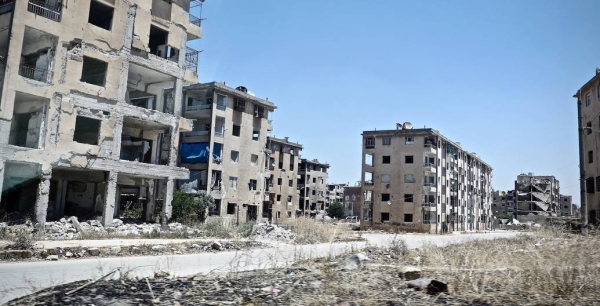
(189, 208)
(336, 210)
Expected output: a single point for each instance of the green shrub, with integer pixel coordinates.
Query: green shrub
(336, 210)
(190, 208)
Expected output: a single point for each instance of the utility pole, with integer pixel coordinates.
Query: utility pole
(582, 183)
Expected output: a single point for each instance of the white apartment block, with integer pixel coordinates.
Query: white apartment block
(418, 180)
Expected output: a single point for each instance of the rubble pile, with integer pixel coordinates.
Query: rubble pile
(273, 232)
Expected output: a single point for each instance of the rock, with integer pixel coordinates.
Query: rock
(52, 257)
(68, 254)
(94, 251)
(117, 222)
(216, 246)
(162, 274)
(115, 250)
(159, 248)
(195, 246)
(18, 254)
(432, 286)
(62, 220)
(409, 273)
(354, 261)
(76, 224)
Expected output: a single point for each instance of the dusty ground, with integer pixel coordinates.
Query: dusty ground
(542, 269)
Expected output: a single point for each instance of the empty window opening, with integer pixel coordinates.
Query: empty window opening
(255, 135)
(37, 55)
(279, 181)
(368, 178)
(289, 200)
(386, 159)
(141, 99)
(408, 197)
(236, 130)
(252, 185)
(278, 198)
(216, 210)
(385, 197)
(87, 130)
(408, 159)
(94, 71)
(369, 143)
(408, 217)
(254, 159)
(20, 188)
(235, 155)
(369, 159)
(259, 111)
(239, 104)
(101, 15)
(136, 149)
(231, 208)
(158, 44)
(590, 157)
(385, 217)
(29, 115)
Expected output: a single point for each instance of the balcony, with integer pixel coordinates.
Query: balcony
(221, 107)
(220, 133)
(191, 59)
(41, 8)
(429, 187)
(6, 6)
(34, 73)
(429, 204)
(195, 133)
(429, 221)
(196, 21)
(430, 168)
(197, 107)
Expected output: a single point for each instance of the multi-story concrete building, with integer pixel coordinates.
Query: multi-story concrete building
(312, 183)
(567, 208)
(352, 201)
(226, 152)
(537, 195)
(282, 184)
(418, 180)
(503, 203)
(334, 193)
(89, 109)
(588, 101)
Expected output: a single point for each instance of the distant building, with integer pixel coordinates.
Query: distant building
(352, 201)
(312, 183)
(537, 195)
(567, 208)
(282, 184)
(503, 203)
(335, 193)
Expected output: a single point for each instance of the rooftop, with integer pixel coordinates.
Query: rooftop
(232, 91)
(314, 162)
(285, 141)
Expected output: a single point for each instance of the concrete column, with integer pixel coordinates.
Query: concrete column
(2, 163)
(173, 145)
(178, 97)
(149, 209)
(117, 132)
(167, 207)
(41, 202)
(110, 196)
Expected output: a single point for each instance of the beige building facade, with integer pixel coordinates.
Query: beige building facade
(312, 184)
(282, 184)
(418, 180)
(89, 109)
(226, 152)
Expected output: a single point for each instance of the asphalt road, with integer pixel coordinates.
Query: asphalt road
(22, 278)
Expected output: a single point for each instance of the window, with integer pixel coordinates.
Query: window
(279, 181)
(278, 198)
(590, 157)
(409, 178)
(252, 185)
(597, 184)
(408, 197)
(221, 102)
(289, 214)
(289, 200)
(231, 208)
(236, 130)
(385, 217)
(386, 141)
(588, 129)
(314, 192)
(369, 159)
(100, 15)
(314, 180)
(385, 178)
(93, 71)
(87, 130)
(408, 159)
(588, 99)
(254, 159)
(598, 90)
(216, 210)
(385, 197)
(233, 182)
(235, 156)
(291, 183)
(408, 218)
(239, 105)
(386, 159)
(409, 140)
(370, 143)
(255, 135)
(589, 184)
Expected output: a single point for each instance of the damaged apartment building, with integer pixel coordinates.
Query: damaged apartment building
(282, 184)
(537, 195)
(226, 152)
(89, 114)
(420, 181)
(312, 184)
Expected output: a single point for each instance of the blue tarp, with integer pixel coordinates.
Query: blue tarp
(217, 151)
(194, 153)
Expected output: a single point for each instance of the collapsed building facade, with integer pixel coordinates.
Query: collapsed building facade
(335, 193)
(504, 203)
(418, 180)
(90, 113)
(537, 195)
(312, 183)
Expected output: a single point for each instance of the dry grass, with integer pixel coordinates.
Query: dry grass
(310, 231)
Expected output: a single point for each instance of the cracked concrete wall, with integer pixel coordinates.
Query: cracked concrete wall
(286, 174)
(70, 97)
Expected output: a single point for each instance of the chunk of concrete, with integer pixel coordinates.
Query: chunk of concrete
(216, 246)
(409, 273)
(432, 286)
(159, 248)
(94, 251)
(354, 261)
(52, 257)
(76, 224)
(115, 250)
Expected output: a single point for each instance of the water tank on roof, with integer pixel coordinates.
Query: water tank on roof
(407, 126)
(242, 89)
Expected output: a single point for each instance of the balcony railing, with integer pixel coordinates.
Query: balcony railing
(219, 133)
(38, 74)
(432, 165)
(40, 7)
(429, 221)
(196, 133)
(6, 6)
(427, 204)
(221, 107)
(197, 107)
(191, 59)
(195, 20)
(429, 184)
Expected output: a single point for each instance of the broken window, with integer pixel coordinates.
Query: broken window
(231, 208)
(588, 129)
(136, 149)
(233, 182)
(408, 197)
(254, 159)
(259, 111)
(158, 44)
(409, 178)
(100, 15)
(236, 130)
(385, 178)
(386, 159)
(369, 143)
(409, 140)
(255, 135)
(386, 141)
(408, 159)
(220, 127)
(239, 104)
(369, 159)
(235, 155)
(385, 197)
(588, 99)
(94, 71)
(385, 217)
(590, 157)
(408, 217)
(87, 130)
(252, 185)
(368, 178)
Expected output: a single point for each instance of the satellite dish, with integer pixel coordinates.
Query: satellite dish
(389, 202)
(407, 126)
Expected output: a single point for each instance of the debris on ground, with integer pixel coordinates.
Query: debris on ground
(269, 231)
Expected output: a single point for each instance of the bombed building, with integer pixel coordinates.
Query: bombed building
(537, 195)
(90, 112)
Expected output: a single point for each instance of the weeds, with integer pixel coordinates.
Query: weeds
(22, 240)
(309, 231)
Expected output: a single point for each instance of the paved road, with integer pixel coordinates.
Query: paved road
(22, 278)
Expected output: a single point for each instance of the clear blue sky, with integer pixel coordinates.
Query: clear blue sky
(497, 76)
